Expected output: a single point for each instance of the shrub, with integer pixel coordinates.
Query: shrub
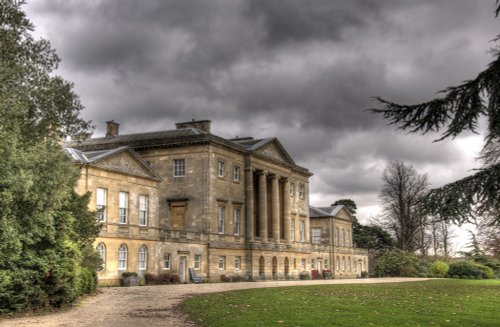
(486, 272)
(150, 279)
(224, 278)
(439, 268)
(88, 281)
(397, 263)
(315, 274)
(364, 274)
(129, 274)
(304, 275)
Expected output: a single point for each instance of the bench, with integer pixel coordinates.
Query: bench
(194, 278)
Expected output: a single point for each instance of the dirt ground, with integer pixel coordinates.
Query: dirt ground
(154, 305)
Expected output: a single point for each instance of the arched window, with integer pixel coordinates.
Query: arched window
(122, 257)
(143, 257)
(101, 249)
(338, 263)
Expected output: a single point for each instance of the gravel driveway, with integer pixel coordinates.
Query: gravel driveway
(154, 305)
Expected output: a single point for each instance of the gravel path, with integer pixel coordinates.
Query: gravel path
(154, 305)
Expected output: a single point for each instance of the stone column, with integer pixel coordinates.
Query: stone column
(286, 209)
(275, 207)
(250, 205)
(263, 205)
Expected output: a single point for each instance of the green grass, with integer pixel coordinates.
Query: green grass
(444, 302)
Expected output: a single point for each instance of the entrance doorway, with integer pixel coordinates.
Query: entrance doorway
(183, 269)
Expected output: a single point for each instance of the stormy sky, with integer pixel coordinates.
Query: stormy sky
(303, 71)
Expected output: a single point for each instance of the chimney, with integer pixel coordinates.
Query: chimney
(112, 128)
(203, 125)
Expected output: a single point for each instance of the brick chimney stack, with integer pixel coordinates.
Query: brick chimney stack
(112, 128)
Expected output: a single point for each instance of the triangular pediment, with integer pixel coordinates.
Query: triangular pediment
(126, 162)
(274, 150)
(344, 214)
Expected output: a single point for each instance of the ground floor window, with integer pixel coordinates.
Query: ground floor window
(237, 263)
(167, 261)
(222, 262)
(197, 262)
(101, 249)
(338, 264)
(303, 264)
(143, 257)
(122, 257)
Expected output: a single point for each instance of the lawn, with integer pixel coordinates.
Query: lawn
(446, 302)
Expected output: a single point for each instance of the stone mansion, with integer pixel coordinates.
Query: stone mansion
(185, 198)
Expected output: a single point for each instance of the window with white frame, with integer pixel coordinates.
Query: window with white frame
(302, 231)
(101, 249)
(100, 203)
(167, 261)
(292, 230)
(222, 262)
(316, 235)
(236, 221)
(220, 168)
(122, 257)
(237, 263)
(221, 218)
(338, 263)
(197, 261)
(123, 207)
(291, 189)
(303, 264)
(236, 173)
(302, 191)
(179, 167)
(143, 209)
(143, 257)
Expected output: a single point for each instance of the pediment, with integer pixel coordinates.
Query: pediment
(275, 151)
(344, 214)
(126, 162)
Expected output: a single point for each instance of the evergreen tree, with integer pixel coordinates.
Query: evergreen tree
(45, 228)
(457, 111)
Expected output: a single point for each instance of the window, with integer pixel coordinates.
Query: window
(302, 230)
(338, 264)
(123, 207)
(292, 189)
(342, 238)
(221, 219)
(236, 220)
(236, 173)
(354, 265)
(316, 235)
(143, 210)
(326, 264)
(303, 264)
(197, 262)
(101, 249)
(313, 264)
(167, 261)
(143, 257)
(343, 263)
(100, 203)
(220, 168)
(122, 257)
(337, 236)
(349, 263)
(302, 191)
(237, 263)
(292, 230)
(222, 262)
(179, 168)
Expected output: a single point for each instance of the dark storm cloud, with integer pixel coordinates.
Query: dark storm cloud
(303, 71)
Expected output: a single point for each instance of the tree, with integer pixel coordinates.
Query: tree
(45, 228)
(401, 194)
(349, 204)
(459, 110)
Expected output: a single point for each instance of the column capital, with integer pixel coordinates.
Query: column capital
(261, 172)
